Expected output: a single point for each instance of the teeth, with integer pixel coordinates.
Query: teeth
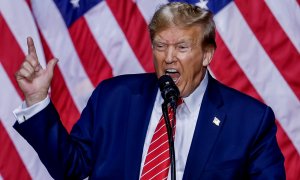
(173, 73)
(171, 70)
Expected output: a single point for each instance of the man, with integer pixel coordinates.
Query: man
(220, 132)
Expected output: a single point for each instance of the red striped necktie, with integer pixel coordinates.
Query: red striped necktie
(157, 162)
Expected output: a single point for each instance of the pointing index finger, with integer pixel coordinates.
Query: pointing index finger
(31, 47)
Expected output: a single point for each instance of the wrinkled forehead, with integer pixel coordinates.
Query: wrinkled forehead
(175, 34)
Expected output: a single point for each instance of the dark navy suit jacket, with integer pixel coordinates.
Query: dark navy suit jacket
(107, 141)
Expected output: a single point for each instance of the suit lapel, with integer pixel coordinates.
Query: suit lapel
(206, 131)
(142, 102)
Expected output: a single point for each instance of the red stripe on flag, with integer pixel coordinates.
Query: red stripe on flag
(274, 40)
(11, 164)
(134, 27)
(292, 158)
(91, 56)
(60, 94)
(11, 55)
(223, 63)
(28, 2)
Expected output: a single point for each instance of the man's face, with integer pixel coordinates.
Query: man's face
(178, 53)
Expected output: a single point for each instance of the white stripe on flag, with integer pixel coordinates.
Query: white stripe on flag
(112, 41)
(147, 8)
(20, 21)
(287, 13)
(30, 158)
(260, 70)
(58, 39)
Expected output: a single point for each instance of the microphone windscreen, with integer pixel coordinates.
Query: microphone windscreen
(168, 88)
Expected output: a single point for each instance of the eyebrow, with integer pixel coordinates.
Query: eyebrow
(179, 42)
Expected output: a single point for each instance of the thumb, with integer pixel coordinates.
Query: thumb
(50, 66)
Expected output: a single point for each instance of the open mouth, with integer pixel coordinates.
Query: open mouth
(173, 73)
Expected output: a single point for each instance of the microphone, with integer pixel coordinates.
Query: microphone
(169, 90)
(170, 94)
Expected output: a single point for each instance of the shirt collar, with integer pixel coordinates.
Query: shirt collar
(194, 100)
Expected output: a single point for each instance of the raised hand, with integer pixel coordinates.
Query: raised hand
(33, 80)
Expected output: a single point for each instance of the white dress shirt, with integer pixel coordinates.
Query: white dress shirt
(186, 119)
(22, 113)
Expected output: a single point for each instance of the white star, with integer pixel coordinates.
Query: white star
(75, 3)
(202, 4)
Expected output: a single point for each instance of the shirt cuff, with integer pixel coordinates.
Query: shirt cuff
(22, 113)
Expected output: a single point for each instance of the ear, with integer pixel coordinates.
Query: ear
(208, 55)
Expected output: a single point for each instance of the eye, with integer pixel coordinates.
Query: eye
(183, 47)
(160, 46)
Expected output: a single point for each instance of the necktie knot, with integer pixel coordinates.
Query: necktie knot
(179, 101)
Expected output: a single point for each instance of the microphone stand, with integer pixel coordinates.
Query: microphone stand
(170, 136)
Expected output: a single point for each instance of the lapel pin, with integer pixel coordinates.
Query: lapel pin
(216, 121)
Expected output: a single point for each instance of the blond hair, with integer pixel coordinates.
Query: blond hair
(184, 15)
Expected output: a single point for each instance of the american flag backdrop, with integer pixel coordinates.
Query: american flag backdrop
(258, 54)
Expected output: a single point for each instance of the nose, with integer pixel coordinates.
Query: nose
(170, 55)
